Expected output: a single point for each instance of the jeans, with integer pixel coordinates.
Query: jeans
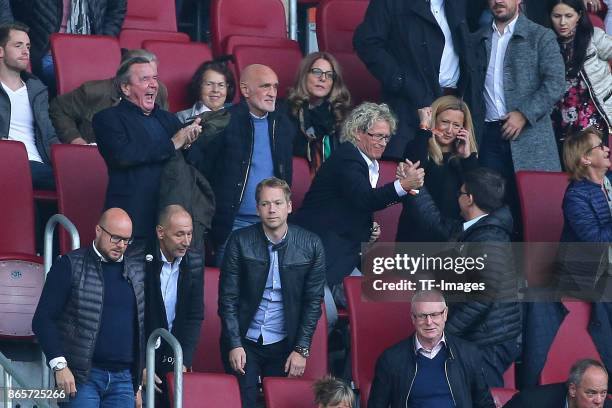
(42, 176)
(241, 221)
(47, 74)
(104, 389)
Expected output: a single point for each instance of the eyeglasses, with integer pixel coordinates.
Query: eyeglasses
(600, 146)
(115, 239)
(434, 315)
(379, 137)
(460, 193)
(319, 73)
(211, 84)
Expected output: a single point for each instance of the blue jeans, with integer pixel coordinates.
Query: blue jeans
(104, 389)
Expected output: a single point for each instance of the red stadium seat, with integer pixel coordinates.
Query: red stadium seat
(288, 392)
(564, 350)
(336, 23)
(596, 20)
(80, 58)
(541, 195)
(502, 395)
(22, 278)
(147, 14)
(17, 206)
(372, 332)
(316, 367)
(207, 357)
(284, 62)
(389, 217)
(133, 38)
(263, 18)
(207, 390)
(301, 181)
(177, 64)
(81, 179)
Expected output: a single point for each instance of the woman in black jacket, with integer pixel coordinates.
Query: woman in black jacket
(319, 101)
(445, 146)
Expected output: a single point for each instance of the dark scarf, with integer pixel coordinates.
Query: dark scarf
(318, 126)
(568, 52)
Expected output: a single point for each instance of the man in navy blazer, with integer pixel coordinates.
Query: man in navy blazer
(340, 204)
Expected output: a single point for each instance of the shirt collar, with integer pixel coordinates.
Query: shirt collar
(163, 258)
(418, 346)
(436, 3)
(473, 221)
(272, 243)
(370, 163)
(509, 28)
(102, 258)
(258, 117)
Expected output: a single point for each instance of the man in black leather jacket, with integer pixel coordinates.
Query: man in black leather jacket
(492, 320)
(430, 368)
(270, 293)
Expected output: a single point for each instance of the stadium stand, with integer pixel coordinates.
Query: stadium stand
(150, 14)
(131, 38)
(207, 390)
(288, 392)
(300, 183)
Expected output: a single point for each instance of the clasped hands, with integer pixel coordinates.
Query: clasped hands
(410, 175)
(187, 135)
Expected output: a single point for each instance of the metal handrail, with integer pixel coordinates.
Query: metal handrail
(48, 260)
(12, 375)
(293, 23)
(178, 366)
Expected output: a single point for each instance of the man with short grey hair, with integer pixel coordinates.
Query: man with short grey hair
(586, 387)
(72, 112)
(430, 368)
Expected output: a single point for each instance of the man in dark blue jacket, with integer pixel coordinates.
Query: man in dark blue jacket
(136, 138)
(256, 144)
(431, 368)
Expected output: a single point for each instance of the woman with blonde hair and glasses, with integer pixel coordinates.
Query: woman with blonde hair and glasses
(587, 214)
(445, 147)
(319, 102)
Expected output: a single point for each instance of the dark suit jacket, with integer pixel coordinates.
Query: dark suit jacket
(189, 306)
(401, 44)
(545, 396)
(339, 207)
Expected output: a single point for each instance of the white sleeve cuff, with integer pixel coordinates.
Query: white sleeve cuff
(53, 362)
(399, 189)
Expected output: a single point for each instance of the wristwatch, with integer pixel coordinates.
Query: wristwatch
(60, 365)
(302, 351)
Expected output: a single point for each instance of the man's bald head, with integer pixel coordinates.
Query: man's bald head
(113, 232)
(169, 212)
(174, 232)
(259, 86)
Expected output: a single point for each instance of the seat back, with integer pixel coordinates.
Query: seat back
(80, 58)
(17, 206)
(132, 38)
(317, 362)
(502, 395)
(288, 392)
(283, 61)
(177, 64)
(374, 326)
(336, 24)
(262, 18)
(22, 278)
(301, 181)
(563, 351)
(207, 390)
(389, 217)
(541, 196)
(144, 14)
(207, 356)
(81, 179)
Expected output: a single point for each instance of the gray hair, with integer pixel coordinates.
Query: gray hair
(363, 117)
(123, 73)
(427, 296)
(138, 52)
(579, 368)
(331, 391)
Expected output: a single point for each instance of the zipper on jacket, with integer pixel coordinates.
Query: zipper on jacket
(447, 380)
(416, 370)
(595, 102)
(246, 175)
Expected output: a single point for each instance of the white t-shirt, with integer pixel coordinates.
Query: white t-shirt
(21, 127)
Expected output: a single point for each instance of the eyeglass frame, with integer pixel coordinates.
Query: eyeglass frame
(118, 239)
(601, 146)
(378, 137)
(422, 317)
(460, 193)
(319, 73)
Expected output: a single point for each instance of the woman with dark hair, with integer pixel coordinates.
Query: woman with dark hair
(210, 88)
(445, 146)
(586, 50)
(319, 101)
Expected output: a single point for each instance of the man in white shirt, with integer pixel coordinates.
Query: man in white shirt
(24, 104)
(174, 290)
(418, 51)
(525, 77)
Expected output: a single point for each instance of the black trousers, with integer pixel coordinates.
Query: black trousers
(261, 360)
